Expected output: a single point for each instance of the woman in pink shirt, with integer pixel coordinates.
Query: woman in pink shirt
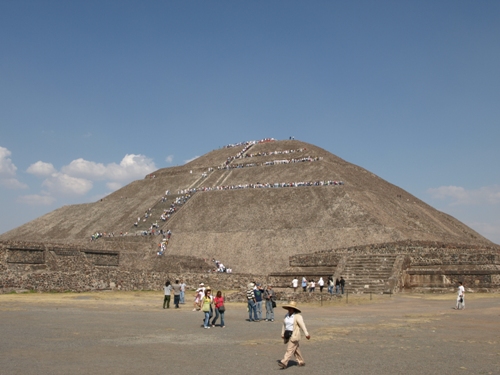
(220, 308)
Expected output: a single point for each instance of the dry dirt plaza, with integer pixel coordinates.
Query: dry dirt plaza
(130, 333)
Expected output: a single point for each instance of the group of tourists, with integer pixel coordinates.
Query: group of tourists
(266, 185)
(179, 289)
(336, 286)
(220, 267)
(257, 295)
(277, 152)
(271, 162)
(212, 307)
(264, 140)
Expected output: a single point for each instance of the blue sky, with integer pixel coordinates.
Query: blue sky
(96, 94)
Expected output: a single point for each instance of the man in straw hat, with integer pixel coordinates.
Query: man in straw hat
(290, 332)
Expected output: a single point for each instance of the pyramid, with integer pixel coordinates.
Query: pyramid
(252, 206)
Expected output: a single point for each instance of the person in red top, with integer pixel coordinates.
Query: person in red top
(220, 308)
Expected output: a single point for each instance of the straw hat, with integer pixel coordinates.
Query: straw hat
(250, 286)
(201, 284)
(291, 304)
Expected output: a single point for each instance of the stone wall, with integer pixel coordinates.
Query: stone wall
(49, 267)
(421, 266)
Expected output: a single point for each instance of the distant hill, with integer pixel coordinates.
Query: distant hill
(251, 229)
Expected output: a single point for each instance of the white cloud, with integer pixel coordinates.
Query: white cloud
(41, 169)
(36, 200)
(85, 169)
(61, 183)
(12, 183)
(8, 171)
(461, 196)
(130, 168)
(190, 160)
(169, 159)
(78, 177)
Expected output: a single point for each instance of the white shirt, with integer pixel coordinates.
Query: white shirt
(461, 291)
(289, 320)
(295, 283)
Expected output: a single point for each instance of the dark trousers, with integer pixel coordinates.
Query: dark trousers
(166, 300)
(177, 299)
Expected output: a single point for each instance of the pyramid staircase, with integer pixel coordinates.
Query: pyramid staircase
(368, 273)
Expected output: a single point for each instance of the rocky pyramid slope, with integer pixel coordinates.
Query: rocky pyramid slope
(243, 211)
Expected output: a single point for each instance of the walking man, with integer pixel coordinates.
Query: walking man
(290, 333)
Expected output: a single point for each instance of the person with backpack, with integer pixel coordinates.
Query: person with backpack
(220, 309)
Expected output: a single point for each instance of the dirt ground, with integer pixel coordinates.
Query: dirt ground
(130, 333)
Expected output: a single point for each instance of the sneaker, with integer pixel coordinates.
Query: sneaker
(267, 320)
(281, 364)
(301, 364)
(272, 320)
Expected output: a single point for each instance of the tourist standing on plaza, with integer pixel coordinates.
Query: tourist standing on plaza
(460, 297)
(290, 333)
(167, 289)
(251, 303)
(304, 284)
(312, 286)
(220, 309)
(270, 298)
(342, 284)
(331, 284)
(183, 292)
(337, 286)
(177, 293)
(258, 300)
(295, 284)
(206, 307)
(321, 284)
(199, 293)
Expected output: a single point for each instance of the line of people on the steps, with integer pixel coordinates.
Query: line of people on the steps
(264, 140)
(240, 154)
(277, 152)
(310, 285)
(271, 162)
(164, 243)
(267, 185)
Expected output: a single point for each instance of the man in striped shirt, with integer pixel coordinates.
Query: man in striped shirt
(252, 306)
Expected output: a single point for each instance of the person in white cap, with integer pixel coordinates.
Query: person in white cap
(199, 293)
(290, 333)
